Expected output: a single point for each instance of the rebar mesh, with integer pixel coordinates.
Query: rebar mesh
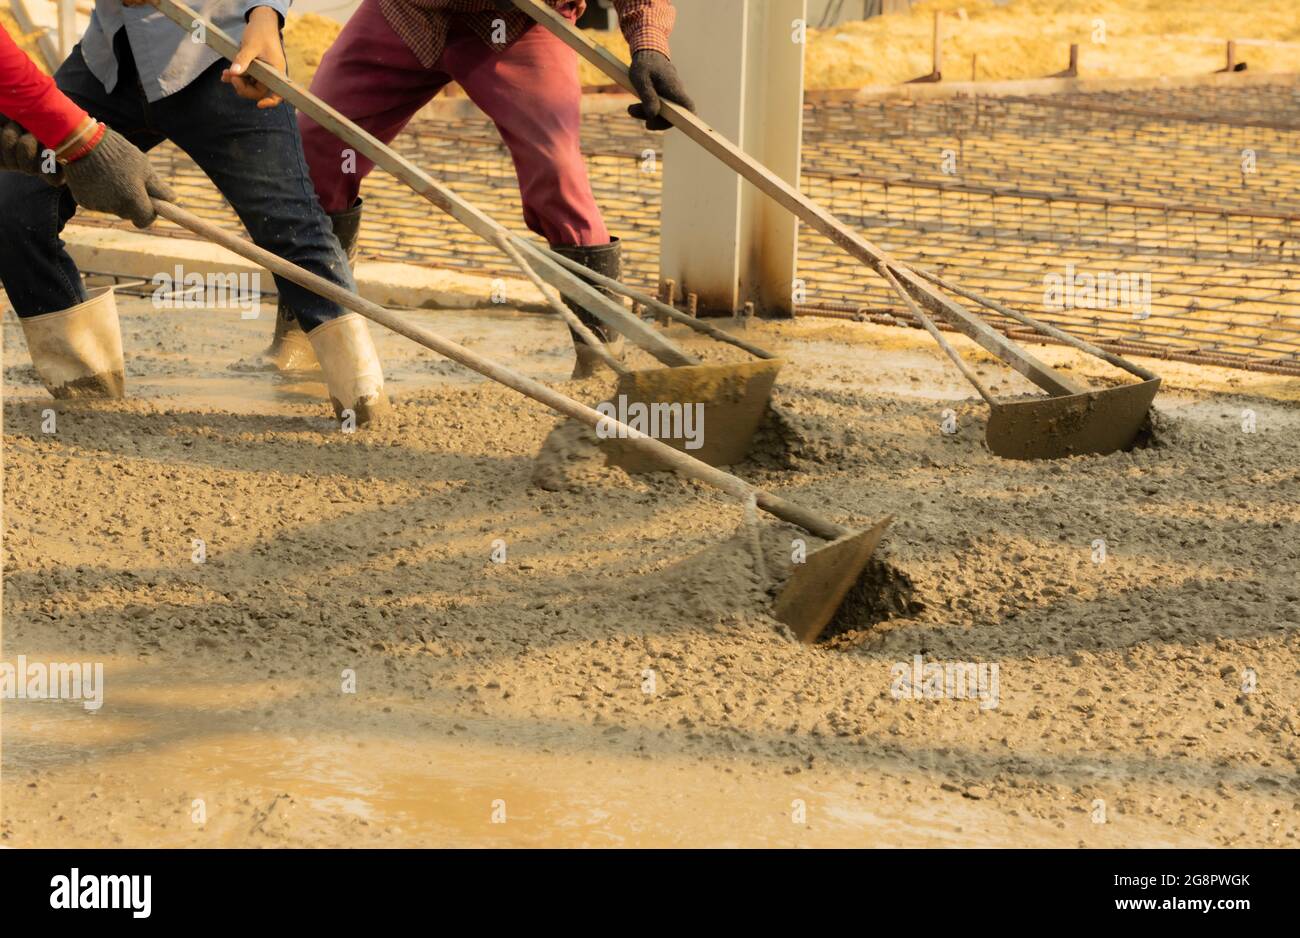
(1194, 193)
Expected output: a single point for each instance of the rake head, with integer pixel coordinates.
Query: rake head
(1091, 423)
(816, 588)
(727, 404)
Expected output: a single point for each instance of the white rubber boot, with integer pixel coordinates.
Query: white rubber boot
(78, 351)
(352, 371)
(289, 350)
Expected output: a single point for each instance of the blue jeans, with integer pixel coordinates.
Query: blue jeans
(254, 157)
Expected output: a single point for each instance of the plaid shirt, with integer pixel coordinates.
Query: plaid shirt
(424, 24)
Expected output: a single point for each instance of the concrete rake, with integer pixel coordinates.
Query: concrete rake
(808, 599)
(1072, 420)
(734, 396)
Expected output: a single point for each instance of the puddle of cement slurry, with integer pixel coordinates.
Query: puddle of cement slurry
(272, 767)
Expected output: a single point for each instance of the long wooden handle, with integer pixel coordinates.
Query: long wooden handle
(1146, 374)
(671, 458)
(558, 306)
(810, 212)
(930, 327)
(602, 307)
(649, 302)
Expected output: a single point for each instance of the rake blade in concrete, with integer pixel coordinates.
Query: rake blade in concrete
(813, 593)
(1095, 422)
(734, 398)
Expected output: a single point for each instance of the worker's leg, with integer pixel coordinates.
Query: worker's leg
(371, 78)
(255, 158)
(38, 274)
(531, 91)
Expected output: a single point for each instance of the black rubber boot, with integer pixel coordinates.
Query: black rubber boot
(347, 228)
(289, 349)
(607, 260)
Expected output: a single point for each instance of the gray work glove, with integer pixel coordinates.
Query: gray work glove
(116, 177)
(655, 77)
(20, 152)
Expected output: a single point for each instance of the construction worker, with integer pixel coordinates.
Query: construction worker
(104, 172)
(137, 79)
(393, 56)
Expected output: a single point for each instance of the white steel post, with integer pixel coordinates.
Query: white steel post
(742, 61)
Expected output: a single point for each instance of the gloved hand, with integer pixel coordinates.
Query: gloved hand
(505, 6)
(116, 177)
(655, 77)
(20, 152)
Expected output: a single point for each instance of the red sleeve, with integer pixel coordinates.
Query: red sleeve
(29, 96)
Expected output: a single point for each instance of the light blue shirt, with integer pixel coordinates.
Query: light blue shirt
(166, 56)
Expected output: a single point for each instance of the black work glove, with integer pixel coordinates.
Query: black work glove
(655, 77)
(20, 152)
(116, 177)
